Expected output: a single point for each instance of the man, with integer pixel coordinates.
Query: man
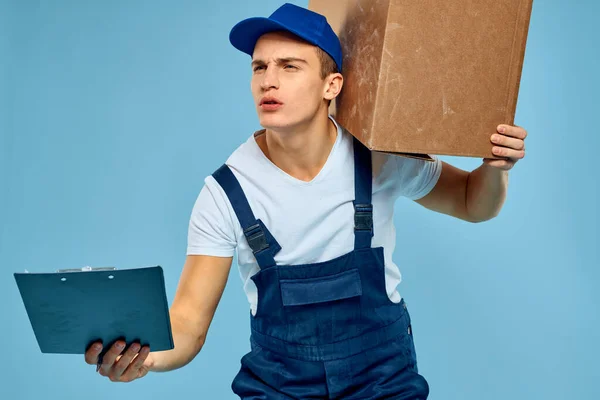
(309, 211)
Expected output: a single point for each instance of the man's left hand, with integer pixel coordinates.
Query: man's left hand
(509, 143)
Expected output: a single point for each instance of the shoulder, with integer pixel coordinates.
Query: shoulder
(213, 225)
(246, 152)
(408, 176)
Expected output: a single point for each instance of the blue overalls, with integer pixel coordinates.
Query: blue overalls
(325, 330)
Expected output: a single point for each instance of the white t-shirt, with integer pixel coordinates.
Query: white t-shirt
(312, 221)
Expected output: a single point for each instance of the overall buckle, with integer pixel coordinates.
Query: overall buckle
(256, 238)
(363, 217)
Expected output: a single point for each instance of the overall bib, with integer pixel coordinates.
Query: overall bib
(326, 330)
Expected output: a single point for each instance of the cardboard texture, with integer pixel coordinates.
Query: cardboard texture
(430, 76)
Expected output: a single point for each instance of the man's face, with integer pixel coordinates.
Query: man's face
(286, 81)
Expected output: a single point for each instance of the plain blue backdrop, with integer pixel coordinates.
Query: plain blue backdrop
(113, 112)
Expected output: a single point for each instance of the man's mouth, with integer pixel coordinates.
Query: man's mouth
(270, 103)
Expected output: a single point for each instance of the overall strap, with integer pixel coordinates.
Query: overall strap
(263, 244)
(363, 186)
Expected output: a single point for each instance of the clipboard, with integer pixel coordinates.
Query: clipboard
(72, 308)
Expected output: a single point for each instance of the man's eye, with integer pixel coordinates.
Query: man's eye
(288, 66)
(257, 68)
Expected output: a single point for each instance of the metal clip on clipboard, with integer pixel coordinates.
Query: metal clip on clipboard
(87, 268)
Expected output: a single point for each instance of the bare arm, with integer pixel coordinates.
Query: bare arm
(199, 291)
(198, 294)
(478, 196)
(475, 197)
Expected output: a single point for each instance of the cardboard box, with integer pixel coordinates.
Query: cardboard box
(429, 76)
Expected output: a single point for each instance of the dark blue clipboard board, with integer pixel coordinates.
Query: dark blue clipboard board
(70, 309)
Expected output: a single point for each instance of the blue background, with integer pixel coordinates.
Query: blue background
(112, 113)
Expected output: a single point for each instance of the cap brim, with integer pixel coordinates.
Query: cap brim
(245, 34)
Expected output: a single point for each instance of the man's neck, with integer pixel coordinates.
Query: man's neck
(302, 153)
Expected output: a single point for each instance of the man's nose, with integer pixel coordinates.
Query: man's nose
(270, 79)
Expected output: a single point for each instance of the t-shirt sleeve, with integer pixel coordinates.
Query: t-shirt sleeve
(211, 228)
(417, 177)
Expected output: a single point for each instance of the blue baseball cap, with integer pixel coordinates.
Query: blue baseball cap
(304, 23)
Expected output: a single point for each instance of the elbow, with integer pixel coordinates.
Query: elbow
(200, 343)
(474, 220)
(477, 211)
(483, 217)
(197, 343)
(193, 345)
(478, 220)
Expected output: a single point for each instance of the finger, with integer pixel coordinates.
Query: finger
(136, 369)
(92, 353)
(123, 362)
(507, 141)
(509, 153)
(109, 358)
(514, 131)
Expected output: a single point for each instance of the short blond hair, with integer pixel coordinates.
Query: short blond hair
(328, 66)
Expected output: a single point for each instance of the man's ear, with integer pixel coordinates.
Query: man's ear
(333, 86)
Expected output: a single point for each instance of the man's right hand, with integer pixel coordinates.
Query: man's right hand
(119, 366)
(200, 288)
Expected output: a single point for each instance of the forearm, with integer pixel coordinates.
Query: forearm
(485, 192)
(187, 346)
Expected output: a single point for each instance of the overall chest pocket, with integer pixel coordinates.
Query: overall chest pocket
(344, 285)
